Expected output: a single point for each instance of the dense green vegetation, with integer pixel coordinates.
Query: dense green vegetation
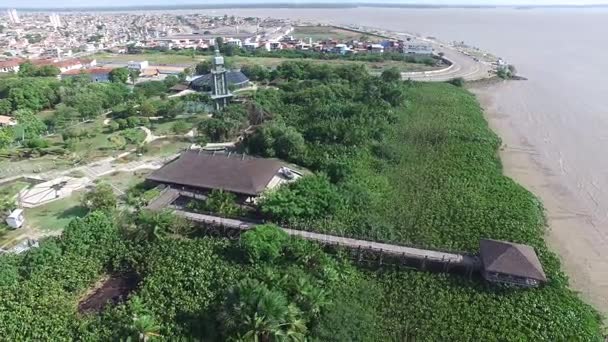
(394, 161)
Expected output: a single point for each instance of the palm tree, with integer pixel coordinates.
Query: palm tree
(146, 328)
(257, 313)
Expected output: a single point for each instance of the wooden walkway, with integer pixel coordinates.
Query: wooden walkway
(395, 250)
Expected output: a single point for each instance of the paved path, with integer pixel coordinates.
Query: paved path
(422, 254)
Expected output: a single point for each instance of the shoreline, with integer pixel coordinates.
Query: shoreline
(520, 162)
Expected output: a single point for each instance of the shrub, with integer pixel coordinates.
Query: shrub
(457, 81)
(264, 243)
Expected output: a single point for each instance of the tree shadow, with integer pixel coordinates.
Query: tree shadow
(76, 211)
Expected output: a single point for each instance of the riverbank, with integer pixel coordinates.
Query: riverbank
(570, 232)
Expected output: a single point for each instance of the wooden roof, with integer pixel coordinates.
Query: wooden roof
(231, 172)
(510, 258)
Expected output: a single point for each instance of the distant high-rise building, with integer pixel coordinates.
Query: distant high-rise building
(55, 20)
(12, 16)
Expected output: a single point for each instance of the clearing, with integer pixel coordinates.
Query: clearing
(55, 215)
(320, 32)
(109, 290)
(271, 62)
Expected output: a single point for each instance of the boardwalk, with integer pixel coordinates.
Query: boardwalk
(396, 250)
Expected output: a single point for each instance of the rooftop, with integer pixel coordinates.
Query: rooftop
(231, 172)
(511, 258)
(233, 77)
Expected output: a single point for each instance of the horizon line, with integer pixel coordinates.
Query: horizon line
(307, 4)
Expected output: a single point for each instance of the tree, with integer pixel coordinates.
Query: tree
(6, 137)
(134, 75)
(48, 71)
(100, 198)
(180, 127)
(154, 225)
(171, 81)
(309, 197)
(203, 67)
(64, 115)
(264, 243)
(146, 327)
(5, 106)
(253, 312)
(27, 69)
(277, 140)
(222, 202)
(391, 75)
(119, 75)
(457, 81)
(89, 104)
(29, 125)
(148, 109)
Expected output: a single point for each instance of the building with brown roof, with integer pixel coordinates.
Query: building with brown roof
(203, 171)
(510, 263)
(95, 74)
(7, 121)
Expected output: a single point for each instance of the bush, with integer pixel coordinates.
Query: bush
(458, 81)
(100, 198)
(180, 127)
(264, 243)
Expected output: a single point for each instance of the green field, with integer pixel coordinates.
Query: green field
(55, 215)
(153, 58)
(124, 180)
(12, 189)
(317, 33)
(240, 61)
(166, 147)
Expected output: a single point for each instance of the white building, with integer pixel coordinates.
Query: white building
(13, 17)
(15, 219)
(250, 46)
(376, 48)
(135, 65)
(234, 42)
(418, 48)
(55, 20)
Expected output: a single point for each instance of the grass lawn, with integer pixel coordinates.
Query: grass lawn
(12, 189)
(153, 58)
(10, 168)
(55, 215)
(166, 147)
(124, 180)
(271, 62)
(330, 32)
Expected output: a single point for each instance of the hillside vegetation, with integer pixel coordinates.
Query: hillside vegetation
(393, 161)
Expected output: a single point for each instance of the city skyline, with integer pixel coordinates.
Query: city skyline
(24, 4)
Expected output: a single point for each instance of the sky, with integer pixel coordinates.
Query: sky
(93, 3)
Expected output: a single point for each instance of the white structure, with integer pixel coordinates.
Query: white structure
(52, 190)
(15, 219)
(376, 48)
(13, 18)
(250, 46)
(418, 48)
(234, 42)
(10, 65)
(55, 20)
(134, 65)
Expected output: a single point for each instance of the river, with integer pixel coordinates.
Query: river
(554, 126)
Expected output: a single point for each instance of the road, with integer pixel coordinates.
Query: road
(462, 66)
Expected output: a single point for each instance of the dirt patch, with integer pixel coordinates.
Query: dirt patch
(109, 291)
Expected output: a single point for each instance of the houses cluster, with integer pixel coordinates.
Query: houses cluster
(64, 65)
